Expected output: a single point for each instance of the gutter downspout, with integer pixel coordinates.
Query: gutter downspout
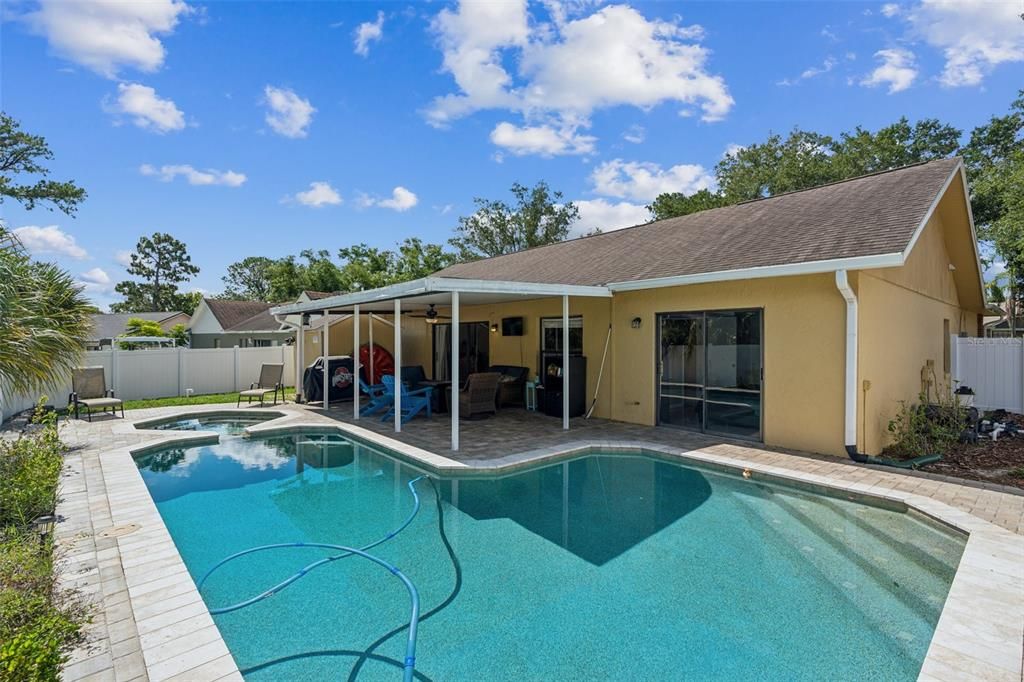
(850, 393)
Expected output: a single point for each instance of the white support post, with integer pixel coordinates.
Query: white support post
(355, 362)
(398, 365)
(455, 371)
(181, 371)
(565, 362)
(369, 323)
(325, 339)
(300, 360)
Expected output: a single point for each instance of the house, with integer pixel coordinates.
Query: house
(219, 323)
(108, 326)
(798, 321)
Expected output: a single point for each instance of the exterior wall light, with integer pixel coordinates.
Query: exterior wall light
(635, 323)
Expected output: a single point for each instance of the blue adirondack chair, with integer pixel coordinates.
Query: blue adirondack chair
(377, 398)
(413, 402)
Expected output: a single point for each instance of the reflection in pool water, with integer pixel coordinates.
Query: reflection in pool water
(608, 566)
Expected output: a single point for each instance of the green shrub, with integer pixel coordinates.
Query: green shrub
(39, 624)
(29, 472)
(927, 428)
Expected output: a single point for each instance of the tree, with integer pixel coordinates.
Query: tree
(674, 204)
(537, 217)
(416, 259)
(248, 279)
(22, 154)
(807, 159)
(179, 333)
(163, 262)
(44, 320)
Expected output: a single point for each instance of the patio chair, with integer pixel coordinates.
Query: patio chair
(413, 402)
(379, 399)
(89, 390)
(270, 382)
(480, 394)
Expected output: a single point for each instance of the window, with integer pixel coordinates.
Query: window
(946, 350)
(551, 334)
(262, 343)
(216, 343)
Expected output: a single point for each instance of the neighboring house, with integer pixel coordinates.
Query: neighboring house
(799, 320)
(219, 323)
(108, 326)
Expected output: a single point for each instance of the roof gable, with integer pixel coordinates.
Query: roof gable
(230, 313)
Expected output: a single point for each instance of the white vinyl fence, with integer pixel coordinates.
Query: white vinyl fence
(994, 368)
(165, 372)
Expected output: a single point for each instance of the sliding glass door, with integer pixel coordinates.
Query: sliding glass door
(709, 371)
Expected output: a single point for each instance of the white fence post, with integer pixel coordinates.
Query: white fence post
(181, 371)
(114, 378)
(236, 361)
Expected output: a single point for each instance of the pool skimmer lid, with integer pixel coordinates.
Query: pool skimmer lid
(118, 531)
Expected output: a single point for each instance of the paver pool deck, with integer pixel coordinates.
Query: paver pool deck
(151, 623)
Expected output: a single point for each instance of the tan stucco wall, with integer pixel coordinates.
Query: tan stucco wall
(804, 320)
(901, 329)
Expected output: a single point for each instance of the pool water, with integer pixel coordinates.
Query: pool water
(610, 566)
(231, 426)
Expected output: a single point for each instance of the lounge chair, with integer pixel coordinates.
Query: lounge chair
(480, 394)
(270, 382)
(89, 390)
(413, 402)
(378, 398)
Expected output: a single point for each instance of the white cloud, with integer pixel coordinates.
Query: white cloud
(606, 216)
(401, 200)
(106, 36)
(975, 36)
(195, 177)
(635, 134)
(148, 110)
(368, 32)
(96, 276)
(49, 240)
(289, 114)
(811, 72)
(644, 181)
(123, 258)
(544, 140)
(566, 70)
(898, 69)
(318, 195)
(890, 9)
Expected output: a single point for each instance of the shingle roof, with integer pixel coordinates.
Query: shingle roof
(866, 216)
(262, 321)
(317, 295)
(109, 325)
(231, 313)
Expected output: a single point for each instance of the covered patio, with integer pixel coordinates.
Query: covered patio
(419, 296)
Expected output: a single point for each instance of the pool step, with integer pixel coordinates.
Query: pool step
(873, 564)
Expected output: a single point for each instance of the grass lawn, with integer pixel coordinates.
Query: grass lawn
(289, 394)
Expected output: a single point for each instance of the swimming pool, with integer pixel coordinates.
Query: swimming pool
(607, 566)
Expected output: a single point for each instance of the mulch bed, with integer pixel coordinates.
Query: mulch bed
(1000, 461)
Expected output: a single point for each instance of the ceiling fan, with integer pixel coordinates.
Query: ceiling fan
(431, 316)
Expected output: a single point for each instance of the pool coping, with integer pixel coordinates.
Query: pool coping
(979, 635)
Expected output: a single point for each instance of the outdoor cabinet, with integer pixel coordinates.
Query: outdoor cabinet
(549, 393)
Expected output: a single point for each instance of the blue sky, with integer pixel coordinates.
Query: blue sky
(266, 128)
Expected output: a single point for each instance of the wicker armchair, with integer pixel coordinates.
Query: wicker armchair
(480, 394)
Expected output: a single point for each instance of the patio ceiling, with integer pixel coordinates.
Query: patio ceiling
(427, 291)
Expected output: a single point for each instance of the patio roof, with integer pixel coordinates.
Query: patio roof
(437, 291)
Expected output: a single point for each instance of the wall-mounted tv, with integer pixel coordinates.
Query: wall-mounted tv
(512, 326)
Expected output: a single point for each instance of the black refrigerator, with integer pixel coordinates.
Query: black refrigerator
(552, 377)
